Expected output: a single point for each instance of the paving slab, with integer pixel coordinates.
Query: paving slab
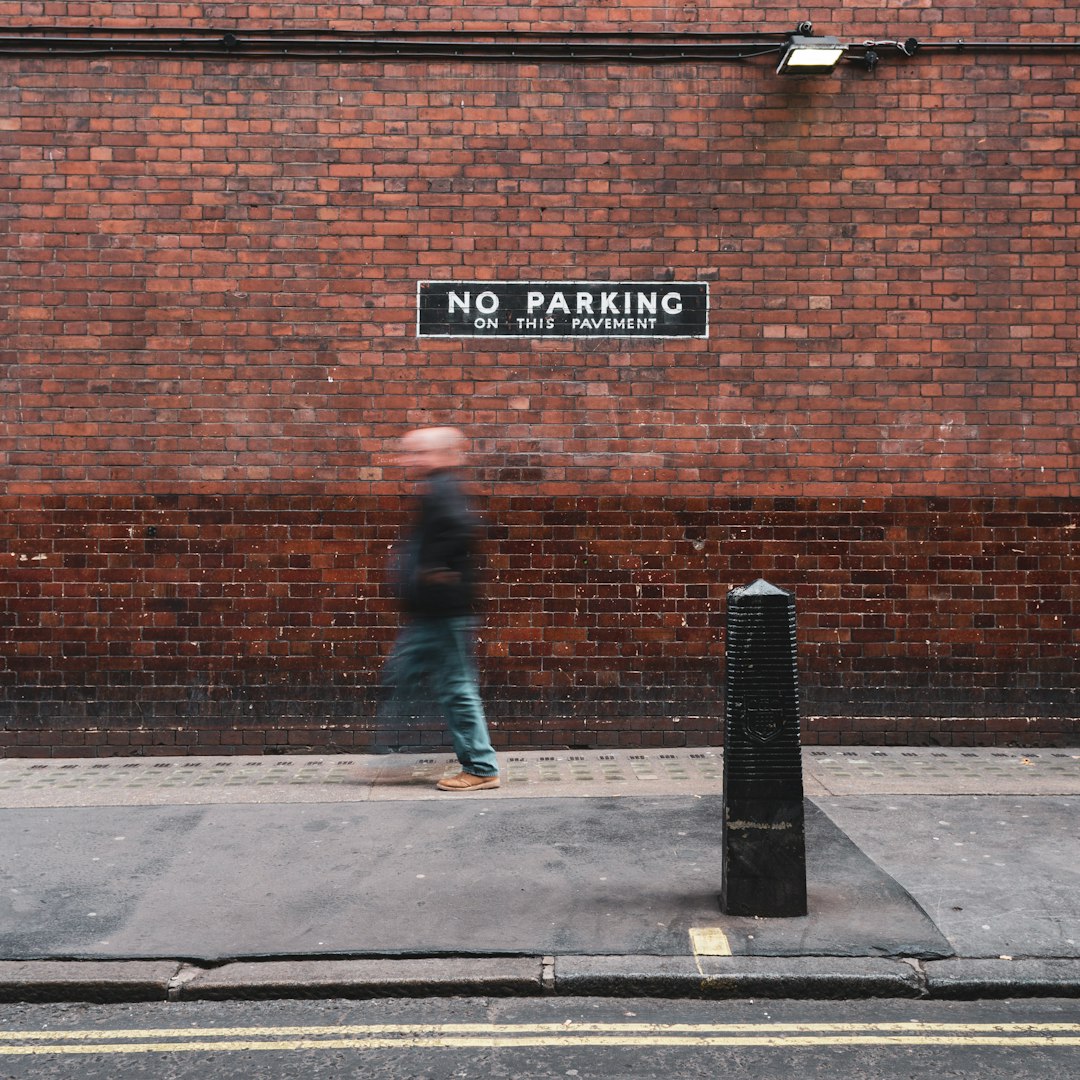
(140, 879)
(819, 978)
(100, 980)
(472, 877)
(430, 977)
(850, 771)
(998, 875)
(968, 979)
(155, 781)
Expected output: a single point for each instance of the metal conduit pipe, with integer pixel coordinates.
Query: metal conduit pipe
(629, 47)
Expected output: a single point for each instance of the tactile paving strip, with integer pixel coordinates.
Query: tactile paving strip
(587, 773)
(345, 778)
(945, 771)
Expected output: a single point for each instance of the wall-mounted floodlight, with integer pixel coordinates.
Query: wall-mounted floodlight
(810, 55)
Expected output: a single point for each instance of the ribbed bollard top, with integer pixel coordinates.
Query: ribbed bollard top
(761, 728)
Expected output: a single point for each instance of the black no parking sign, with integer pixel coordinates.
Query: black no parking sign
(651, 309)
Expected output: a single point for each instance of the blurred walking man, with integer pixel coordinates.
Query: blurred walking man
(436, 589)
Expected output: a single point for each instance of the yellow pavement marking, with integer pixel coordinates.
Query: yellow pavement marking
(508, 1042)
(568, 1034)
(898, 1026)
(709, 941)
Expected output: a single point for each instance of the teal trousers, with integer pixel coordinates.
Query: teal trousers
(441, 651)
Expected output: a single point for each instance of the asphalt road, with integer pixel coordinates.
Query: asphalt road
(439, 1039)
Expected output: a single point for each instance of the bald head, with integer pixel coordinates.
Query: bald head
(427, 450)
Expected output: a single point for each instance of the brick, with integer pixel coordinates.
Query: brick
(883, 417)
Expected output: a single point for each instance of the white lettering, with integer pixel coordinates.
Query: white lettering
(593, 308)
(487, 303)
(611, 325)
(559, 304)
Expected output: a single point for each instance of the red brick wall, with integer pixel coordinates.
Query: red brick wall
(208, 274)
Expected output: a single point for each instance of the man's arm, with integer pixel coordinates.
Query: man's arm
(449, 530)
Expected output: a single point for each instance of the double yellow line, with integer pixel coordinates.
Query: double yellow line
(568, 1034)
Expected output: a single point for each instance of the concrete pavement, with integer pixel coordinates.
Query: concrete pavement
(931, 872)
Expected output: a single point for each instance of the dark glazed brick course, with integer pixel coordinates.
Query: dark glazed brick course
(250, 623)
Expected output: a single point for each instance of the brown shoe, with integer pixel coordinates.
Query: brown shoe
(468, 782)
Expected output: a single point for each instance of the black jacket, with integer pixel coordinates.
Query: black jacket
(436, 572)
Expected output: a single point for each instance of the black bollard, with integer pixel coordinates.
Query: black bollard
(764, 838)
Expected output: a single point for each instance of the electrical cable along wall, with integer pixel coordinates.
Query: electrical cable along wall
(704, 321)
